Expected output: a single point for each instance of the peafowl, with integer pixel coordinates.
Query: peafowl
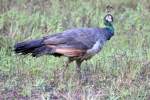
(77, 44)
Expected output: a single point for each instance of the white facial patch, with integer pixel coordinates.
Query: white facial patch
(109, 18)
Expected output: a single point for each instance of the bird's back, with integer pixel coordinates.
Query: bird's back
(85, 36)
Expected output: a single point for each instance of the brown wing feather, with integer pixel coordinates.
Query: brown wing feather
(65, 45)
(70, 52)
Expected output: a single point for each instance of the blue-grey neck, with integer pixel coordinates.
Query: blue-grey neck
(110, 29)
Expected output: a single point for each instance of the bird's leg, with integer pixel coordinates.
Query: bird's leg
(66, 64)
(78, 69)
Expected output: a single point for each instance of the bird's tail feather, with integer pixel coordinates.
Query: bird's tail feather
(28, 46)
(41, 51)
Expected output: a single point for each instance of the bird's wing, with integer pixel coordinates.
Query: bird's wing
(56, 39)
(65, 45)
(70, 52)
(73, 42)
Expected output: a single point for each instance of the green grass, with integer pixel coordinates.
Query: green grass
(121, 71)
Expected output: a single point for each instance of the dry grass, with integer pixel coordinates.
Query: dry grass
(120, 72)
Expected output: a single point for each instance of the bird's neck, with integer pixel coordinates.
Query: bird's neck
(110, 30)
(110, 27)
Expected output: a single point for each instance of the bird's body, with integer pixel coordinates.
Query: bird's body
(71, 43)
(77, 44)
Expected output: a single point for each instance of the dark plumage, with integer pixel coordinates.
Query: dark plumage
(77, 44)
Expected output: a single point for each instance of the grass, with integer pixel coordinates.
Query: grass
(121, 71)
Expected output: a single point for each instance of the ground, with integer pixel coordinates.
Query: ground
(121, 71)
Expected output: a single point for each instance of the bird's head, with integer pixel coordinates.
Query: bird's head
(108, 19)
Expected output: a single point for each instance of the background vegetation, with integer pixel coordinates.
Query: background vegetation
(120, 72)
